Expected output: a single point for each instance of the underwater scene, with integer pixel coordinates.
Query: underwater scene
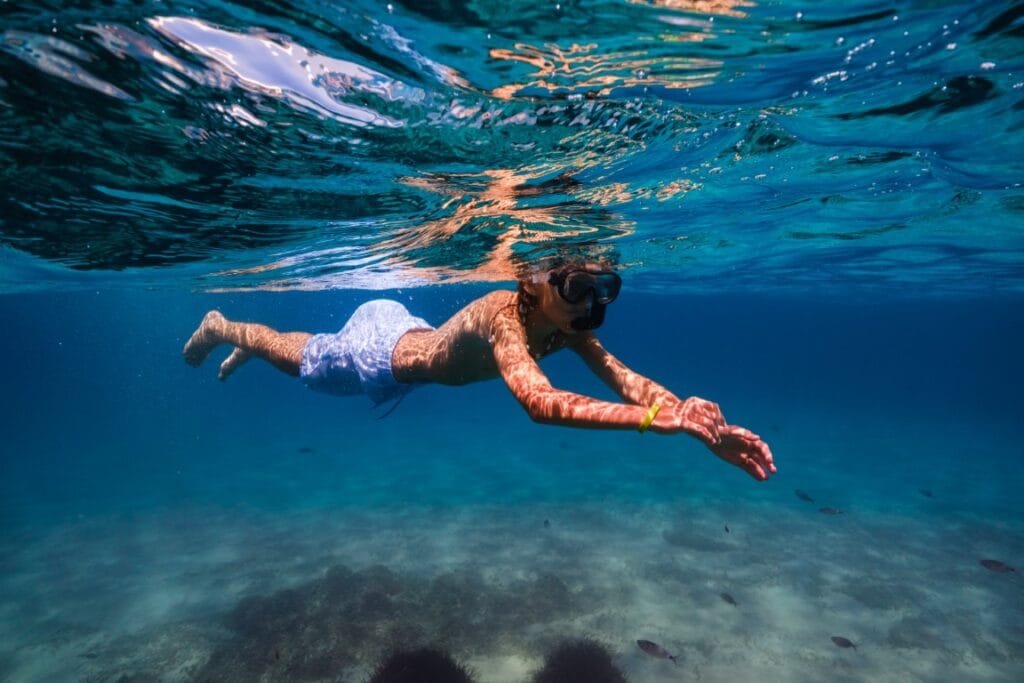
(511, 342)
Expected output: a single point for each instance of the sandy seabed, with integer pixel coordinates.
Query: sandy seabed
(236, 594)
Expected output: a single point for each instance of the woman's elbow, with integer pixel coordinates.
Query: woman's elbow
(540, 406)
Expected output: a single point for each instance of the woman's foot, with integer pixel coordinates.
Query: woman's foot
(204, 340)
(231, 363)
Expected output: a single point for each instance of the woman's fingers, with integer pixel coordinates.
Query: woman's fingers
(713, 412)
(710, 423)
(743, 433)
(756, 471)
(702, 431)
(759, 451)
(766, 456)
(753, 455)
(751, 466)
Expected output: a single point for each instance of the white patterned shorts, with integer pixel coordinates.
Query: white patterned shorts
(357, 359)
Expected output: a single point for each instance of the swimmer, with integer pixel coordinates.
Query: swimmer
(384, 351)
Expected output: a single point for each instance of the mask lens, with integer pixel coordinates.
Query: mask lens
(577, 283)
(575, 286)
(608, 286)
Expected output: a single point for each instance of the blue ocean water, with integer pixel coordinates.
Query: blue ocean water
(817, 213)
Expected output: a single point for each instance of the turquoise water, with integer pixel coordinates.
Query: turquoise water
(817, 215)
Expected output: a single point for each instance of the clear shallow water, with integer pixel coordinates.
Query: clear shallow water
(819, 223)
(180, 527)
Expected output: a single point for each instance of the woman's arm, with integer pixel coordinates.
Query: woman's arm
(635, 388)
(548, 405)
(631, 386)
(735, 445)
(543, 402)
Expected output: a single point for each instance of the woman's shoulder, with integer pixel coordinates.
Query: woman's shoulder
(499, 305)
(492, 301)
(480, 314)
(498, 298)
(499, 302)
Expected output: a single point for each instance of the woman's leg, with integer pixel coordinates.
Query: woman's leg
(232, 363)
(283, 350)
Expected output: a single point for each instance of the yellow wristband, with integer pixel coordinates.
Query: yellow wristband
(652, 413)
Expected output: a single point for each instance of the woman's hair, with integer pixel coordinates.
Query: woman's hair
(525, 302)
(577, 258)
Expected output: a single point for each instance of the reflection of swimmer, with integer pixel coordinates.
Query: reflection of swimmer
(383, 351)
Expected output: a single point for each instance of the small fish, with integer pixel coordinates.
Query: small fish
(726, 528)
(728, 598)
(656, 650)
(830, 511)
(843, 642)
(997, 566)
(277, 655)
(927, 493)
(89, 655)
(547, 524)
(305, 449)
(802, 495)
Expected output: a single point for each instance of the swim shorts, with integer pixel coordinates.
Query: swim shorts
(357, 359)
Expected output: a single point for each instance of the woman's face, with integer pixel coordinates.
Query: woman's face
(570, 318)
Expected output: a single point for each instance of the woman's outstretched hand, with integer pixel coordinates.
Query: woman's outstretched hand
(743, 448)
(694, 416)
(704, 420)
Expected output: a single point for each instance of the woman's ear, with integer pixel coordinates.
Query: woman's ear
(532, 285)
